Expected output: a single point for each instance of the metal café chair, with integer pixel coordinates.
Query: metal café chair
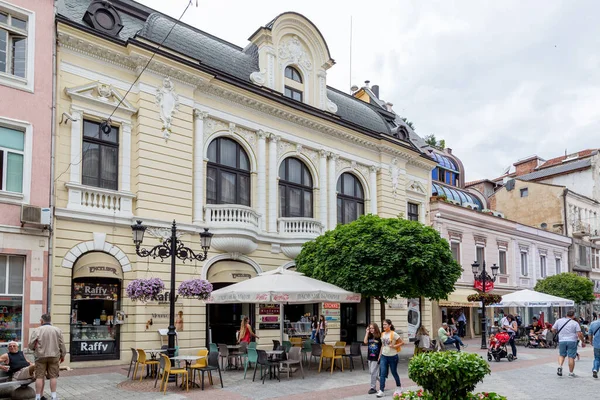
(355, 351)
(133, 362)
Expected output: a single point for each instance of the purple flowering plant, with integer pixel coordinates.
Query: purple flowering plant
(144, 289)
(195, 288)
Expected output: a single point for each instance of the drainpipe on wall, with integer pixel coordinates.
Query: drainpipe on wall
(566, 227)
(52, 156)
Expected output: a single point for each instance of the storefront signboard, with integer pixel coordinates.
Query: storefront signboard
(269, 326)
(489, 286)
(331, 306)
(268, 309)
(269, 318)
(106, 291)
(93, 347)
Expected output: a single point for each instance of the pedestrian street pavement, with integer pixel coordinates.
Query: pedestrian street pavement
(532, 376)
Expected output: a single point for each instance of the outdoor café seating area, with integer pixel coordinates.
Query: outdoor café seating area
(197, 369)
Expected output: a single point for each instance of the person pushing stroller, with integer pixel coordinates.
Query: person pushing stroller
(497, 347)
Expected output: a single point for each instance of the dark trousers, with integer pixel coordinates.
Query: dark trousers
(512, 345)
(461, 328)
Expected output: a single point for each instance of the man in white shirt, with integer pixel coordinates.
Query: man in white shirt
(569, 332)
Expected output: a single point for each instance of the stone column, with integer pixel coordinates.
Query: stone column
(332, 191)
(373, 184)
(76, 139)
(198, 180)
(273, 183)
(125, 157)
(323, 188)
(261, 206)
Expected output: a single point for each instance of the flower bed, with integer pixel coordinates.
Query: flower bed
(422, 395)
(144, 289)
(195, 289)
(487, 298)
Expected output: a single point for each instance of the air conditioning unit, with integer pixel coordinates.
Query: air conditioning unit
(35, 215)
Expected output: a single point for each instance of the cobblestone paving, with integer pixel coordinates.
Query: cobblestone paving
(532, 376)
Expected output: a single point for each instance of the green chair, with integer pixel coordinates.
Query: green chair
(251, 358)
(212, 347)
(287, 345)
(306, 349)
(252, 345)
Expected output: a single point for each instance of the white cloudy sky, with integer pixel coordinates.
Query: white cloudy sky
(498, 81)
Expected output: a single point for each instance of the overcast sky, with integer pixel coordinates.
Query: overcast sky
(498, 81)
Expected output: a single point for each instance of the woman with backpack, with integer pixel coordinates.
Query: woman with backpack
(391, 344)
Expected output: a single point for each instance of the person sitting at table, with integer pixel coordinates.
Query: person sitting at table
(246, 333)
(17, 366)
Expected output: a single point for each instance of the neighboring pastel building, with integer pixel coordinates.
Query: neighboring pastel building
(26, 46)
(559, 195)
(249, 142)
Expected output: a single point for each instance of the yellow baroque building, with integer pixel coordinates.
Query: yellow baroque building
(248, 142)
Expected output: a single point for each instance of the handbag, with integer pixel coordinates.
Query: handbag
(561, 328)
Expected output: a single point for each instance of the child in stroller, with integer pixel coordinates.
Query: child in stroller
(497, 347)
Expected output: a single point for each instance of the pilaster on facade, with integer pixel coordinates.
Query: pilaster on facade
(261, 206)
(198, 206)
(373, 188)
(332, 191)
(273, 183)
(323, 194)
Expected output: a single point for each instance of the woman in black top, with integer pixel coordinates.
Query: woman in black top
(373, 342)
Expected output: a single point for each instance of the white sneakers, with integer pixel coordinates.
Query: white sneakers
(398, 391)
(380, 394)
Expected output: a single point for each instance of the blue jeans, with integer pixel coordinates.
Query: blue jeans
(313, 335)
(596, 359)
(455, 340)
(386, 362)
(321, 336)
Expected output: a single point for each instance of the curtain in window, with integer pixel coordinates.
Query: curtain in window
(109, 163)
(228, 183)
(91, 156)
(14, 173)
(15, 276)
(3, 267)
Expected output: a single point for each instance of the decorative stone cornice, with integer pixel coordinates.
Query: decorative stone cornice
(199, 114)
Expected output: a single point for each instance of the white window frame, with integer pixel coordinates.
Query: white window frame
(27, 129)
(524, 271)
(543, 266)
(558, 265)
(477, 247)
(301, 87)
(501, 250)
(456, 242)
(4, 290)
(17, 82)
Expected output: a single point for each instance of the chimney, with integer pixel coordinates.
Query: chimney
(526, 165)
(367, 83)
(375, 90)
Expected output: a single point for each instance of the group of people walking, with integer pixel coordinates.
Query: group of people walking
(318, 328)
(49, 350)
(382, 355)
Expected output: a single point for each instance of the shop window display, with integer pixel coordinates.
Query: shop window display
(11, 298)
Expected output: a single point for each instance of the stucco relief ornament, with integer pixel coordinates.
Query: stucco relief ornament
(259, 78)
(292, 50)
(104, 91)
(395, 176)
(168, 102)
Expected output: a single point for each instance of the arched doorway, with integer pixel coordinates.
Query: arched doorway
(95, 300)
(223, 320)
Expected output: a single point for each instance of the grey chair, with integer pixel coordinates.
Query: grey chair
(315, 353)
(294, 357)
(263, 361)
(355, 351)
(133, 362)
(211, 365)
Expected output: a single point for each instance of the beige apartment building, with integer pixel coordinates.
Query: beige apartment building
(248, 142)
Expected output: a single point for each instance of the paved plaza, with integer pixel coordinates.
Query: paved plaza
(532, 376)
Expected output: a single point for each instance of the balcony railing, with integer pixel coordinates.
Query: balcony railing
(231, 214)
(100, 201)
(300, 227)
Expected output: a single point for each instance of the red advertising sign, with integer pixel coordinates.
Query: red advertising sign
(268, 309)
(332, 306)
(489, 286)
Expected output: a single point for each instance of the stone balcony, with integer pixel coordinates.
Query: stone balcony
(100, 201)
(235, 226)
(301, 229)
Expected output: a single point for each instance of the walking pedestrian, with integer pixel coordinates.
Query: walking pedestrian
(462, 324)
(509, 325)
(594, 335)
(314, 328)
(391, 344)
(373, 341)
(48, 345)
(322, 329)
(568, 331)
(246, 333)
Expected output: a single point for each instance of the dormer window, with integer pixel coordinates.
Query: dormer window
(293, 84)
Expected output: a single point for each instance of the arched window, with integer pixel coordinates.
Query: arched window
(295, 189)
(293, 74)
(350, 198)
(293, 84)
(228, 173)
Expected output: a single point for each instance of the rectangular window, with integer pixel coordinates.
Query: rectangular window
(100, 159)
(543, 271)
(292, 93)
(524, 267)
(12, 146)
(582, 255)
(502, 261)
(524, 192)
(413, 212)
(11, 297)
(596, 258)
(558, 262)
(480, 254)
(13, 44)
(455, 248)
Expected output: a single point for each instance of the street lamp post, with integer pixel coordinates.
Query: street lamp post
(171, 248)
(480, 274)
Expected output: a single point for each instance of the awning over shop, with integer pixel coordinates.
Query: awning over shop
(458, 298)
(97, 265)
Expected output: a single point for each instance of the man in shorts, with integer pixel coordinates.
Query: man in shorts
(569, 332)
(15, 363)
(48, 344)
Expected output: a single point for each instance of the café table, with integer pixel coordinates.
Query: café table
(188, 362)
(151, 370)
(274, 354)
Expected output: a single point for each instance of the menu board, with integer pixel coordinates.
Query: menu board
(269, 316)
(87, 291)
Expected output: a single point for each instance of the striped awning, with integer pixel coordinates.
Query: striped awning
(458, 298)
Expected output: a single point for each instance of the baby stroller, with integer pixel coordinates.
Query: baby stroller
(497, 347)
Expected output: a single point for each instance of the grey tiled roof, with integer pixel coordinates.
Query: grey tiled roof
(357, 111)
(559, 169)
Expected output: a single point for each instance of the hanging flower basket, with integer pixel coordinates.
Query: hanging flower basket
(144, 289)
(486, 298)
(195, 289)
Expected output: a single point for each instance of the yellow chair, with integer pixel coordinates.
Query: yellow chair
(201, 362)
(327, 351)
(340, 351)
(165, 365)
(296, 342)
(143, 360)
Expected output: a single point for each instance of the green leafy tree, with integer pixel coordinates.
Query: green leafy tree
(433, 142)
(567, 285)
(382, 258)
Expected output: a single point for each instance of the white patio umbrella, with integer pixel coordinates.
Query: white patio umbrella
(531, 298)
(281, 286)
